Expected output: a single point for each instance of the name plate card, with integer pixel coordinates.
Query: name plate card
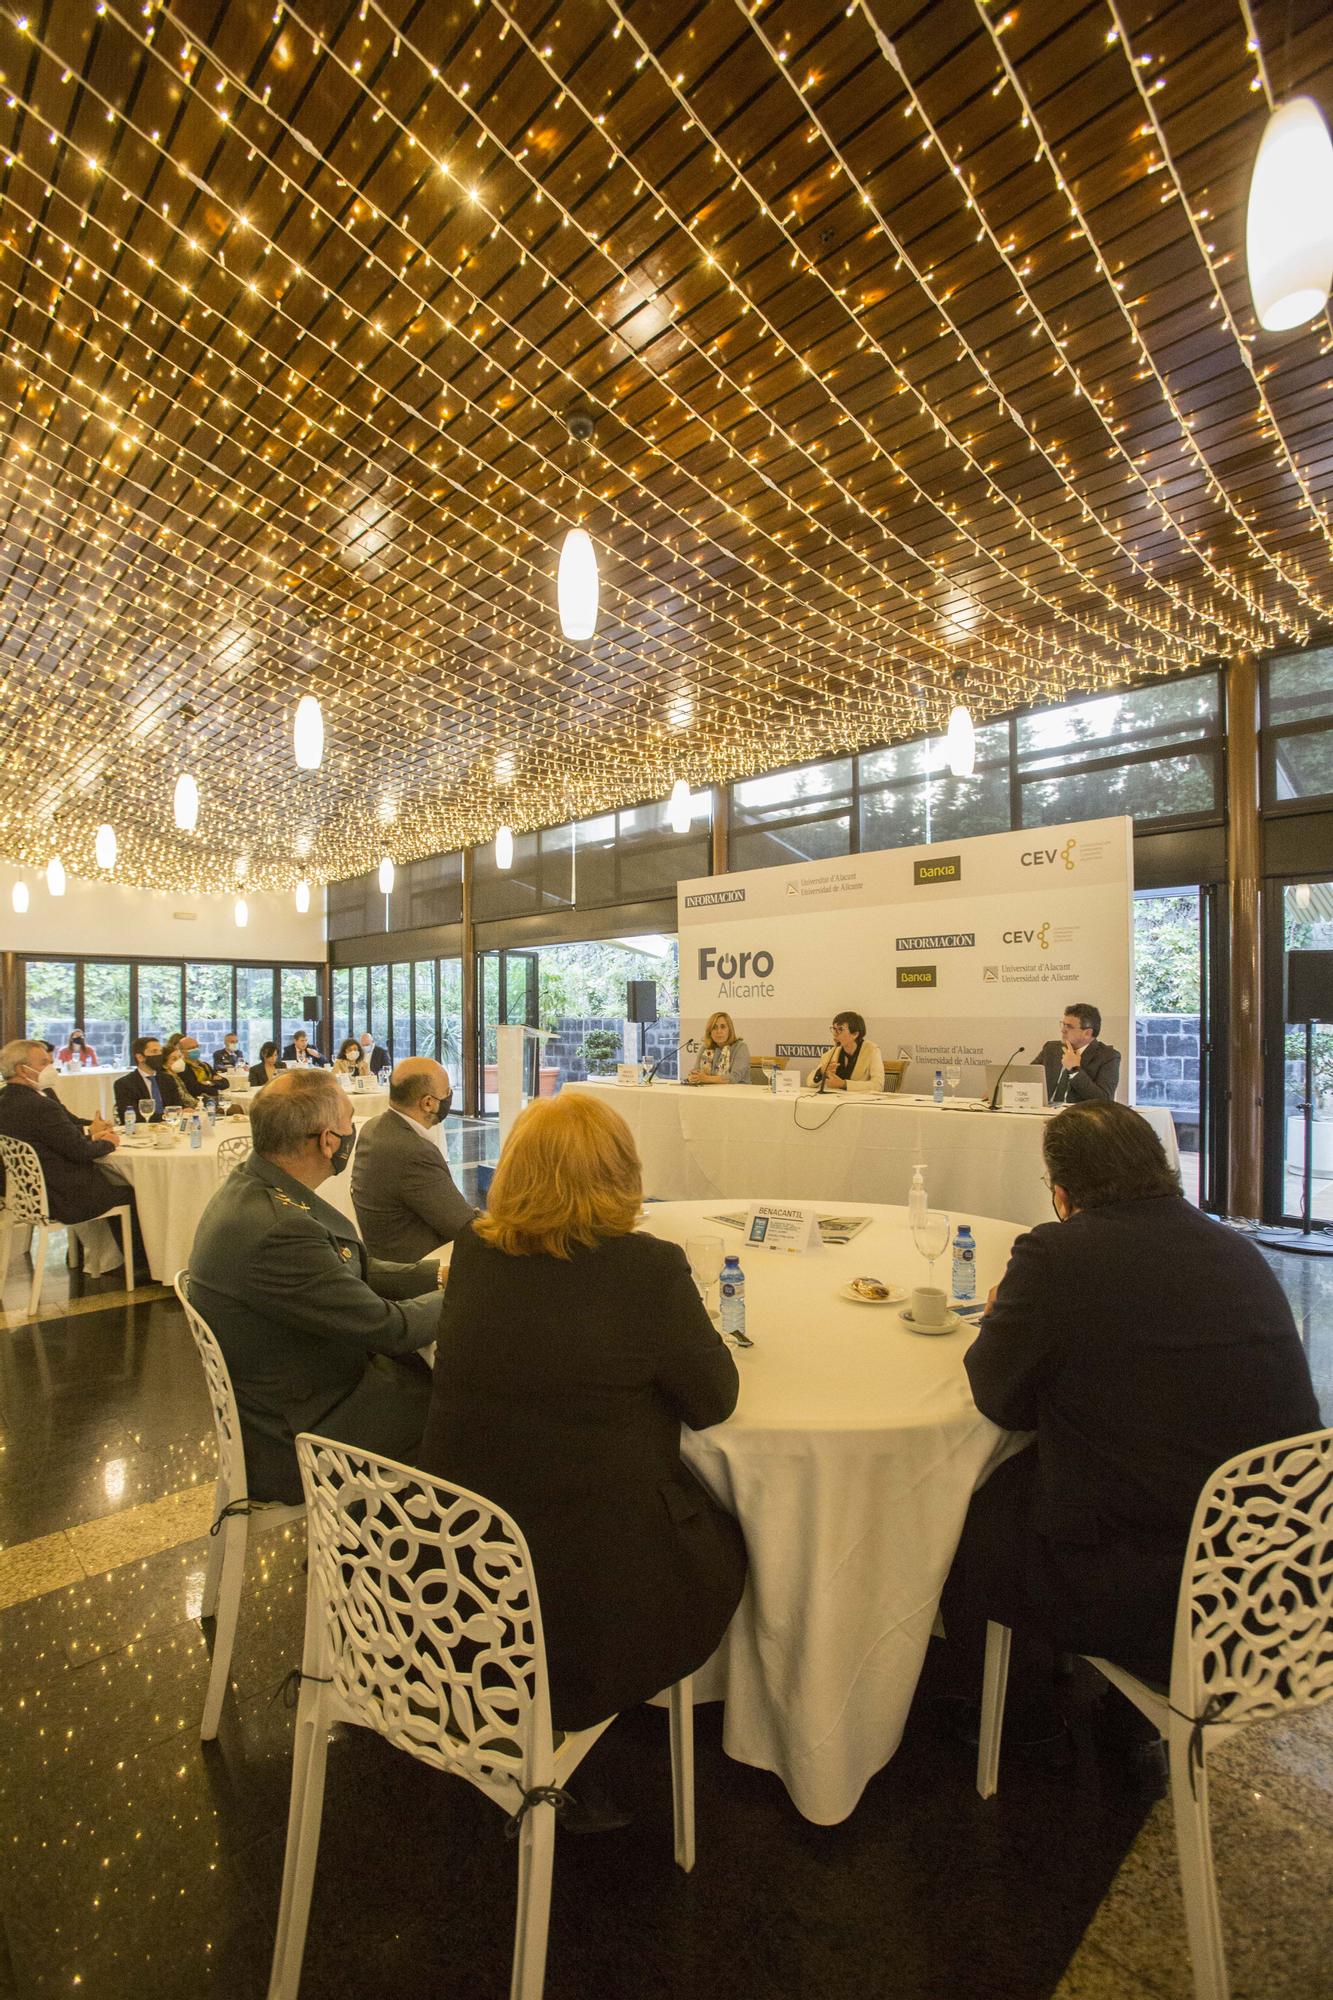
(785, 1082)
(775, 1225)
(629, 1073)
(1021, 1096)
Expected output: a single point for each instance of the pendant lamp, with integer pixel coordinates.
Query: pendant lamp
(504, 847)
(961, 743)
(242, 913)
(1289, 221)
(576, 585)
(386, 875)
(302, 898)
(185, 803)
(678, 809)
(55, 875)
(308, 733)
(20, 899)
(104, 848)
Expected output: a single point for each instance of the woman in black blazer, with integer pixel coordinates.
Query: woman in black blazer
(266, 1068)
(571, 1350)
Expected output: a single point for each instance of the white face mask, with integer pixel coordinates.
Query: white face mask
(46, 1078)
(176, 1065)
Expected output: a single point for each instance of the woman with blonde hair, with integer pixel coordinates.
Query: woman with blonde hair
(571, 1349)
(724, 1057)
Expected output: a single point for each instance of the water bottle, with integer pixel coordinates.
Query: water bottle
(731, 1280)
(196, 1132)
(131, 1120)
(210, 1112)
(939, 1086)
(964, 1264)
(917, 1200)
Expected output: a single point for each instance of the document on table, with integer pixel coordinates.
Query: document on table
(832, 1228)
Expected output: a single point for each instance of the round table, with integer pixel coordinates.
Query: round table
(89, 1093)
(849, 1462)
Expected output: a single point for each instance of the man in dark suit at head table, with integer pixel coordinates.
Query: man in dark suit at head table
(1080, 1069)
(402, 1190)
(317, 1334)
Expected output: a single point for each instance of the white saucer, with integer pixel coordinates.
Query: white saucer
(948, 1325)
(897, 1293)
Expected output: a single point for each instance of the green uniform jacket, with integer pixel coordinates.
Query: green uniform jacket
(318, 1335)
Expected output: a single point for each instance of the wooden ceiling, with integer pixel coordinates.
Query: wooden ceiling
(919, 342)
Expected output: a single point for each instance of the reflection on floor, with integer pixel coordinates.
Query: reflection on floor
(137, 1867)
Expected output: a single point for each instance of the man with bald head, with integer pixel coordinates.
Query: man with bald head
(402, 1190)
(318, 1336)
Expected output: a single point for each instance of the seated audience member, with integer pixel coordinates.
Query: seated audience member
(852, 1063)
(230, 1057)
(77, 1187)
(1079, 1068)
(149, 1078)
(301, 1051)
(175, 1064)
(267, 1067)
(1144, 1344)
(198, 1075)
(374, 1057)
(571, 1350)
(402, 1190)
(349, 1060)
(724, 1057)
(317, 1335)
(76, 1050)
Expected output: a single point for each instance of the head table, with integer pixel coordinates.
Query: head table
(849, 1462)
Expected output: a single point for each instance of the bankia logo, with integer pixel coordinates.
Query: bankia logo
(940, 868)
(939, 941)
(710, 897)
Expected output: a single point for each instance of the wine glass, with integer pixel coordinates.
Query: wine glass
(930, 1234)
(146, 1109)
(705, 1255)
(953, 1075)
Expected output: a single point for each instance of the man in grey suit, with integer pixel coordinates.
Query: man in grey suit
(318, 1336)
(1079, 1068)
(404, 1195)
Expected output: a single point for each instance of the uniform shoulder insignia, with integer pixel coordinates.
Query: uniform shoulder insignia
(290, 1201)
(344, 1251)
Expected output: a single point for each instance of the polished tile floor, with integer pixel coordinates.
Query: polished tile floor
(136, 1866)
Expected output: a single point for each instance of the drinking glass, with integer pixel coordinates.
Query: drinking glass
(930, 1234)
(705, 1255)
(386, 1076)
(172, 1117)
(146, 1109)
(953, 1076)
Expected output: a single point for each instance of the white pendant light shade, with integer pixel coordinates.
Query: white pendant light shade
(309, 733)
(302, 898)
(104, 848)
(504, 847)
(55, 875)
(576, 585)
(387, 872)
(185, 803)
(678, 809)
(1289, 222)
(20, 899)
(961, 743)
(242, 913)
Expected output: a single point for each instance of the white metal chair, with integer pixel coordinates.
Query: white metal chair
(26, 1208)
(232, 1151)
(233, 1512)
(1253, 1640)
(423, 1623)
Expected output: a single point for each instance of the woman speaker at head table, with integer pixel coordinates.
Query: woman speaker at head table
(724, 1058)
(571, 1349)
(852, 1063)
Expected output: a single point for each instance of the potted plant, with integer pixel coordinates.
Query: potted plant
(601, 1051)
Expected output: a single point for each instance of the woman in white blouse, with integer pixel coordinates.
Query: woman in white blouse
(852, 1063)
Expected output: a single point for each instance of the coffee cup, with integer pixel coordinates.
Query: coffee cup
(929, 1307)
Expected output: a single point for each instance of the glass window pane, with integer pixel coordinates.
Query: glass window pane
(49, 988)
(819, 840)
(557, 866)
(511, 892)
(160, 1010)
(379, 1003)
(1300, 688)
(1167, 712)
(795, 794)
(298, 982)
(400, 1034)
(208, 1005)
(425, 979)
(342, 1006)
(595, 868)
(106, 1010)
(451, 1017)
(254, 1008)
(356, 908)
(360, 999)
(1307, 911)
(1303, 765)
(1159, 790)
(909, 797)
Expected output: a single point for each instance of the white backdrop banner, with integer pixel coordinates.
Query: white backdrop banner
(957, 951)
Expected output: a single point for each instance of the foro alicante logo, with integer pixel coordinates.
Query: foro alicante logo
(741, 975)
(1046, 857)
(1041, 937)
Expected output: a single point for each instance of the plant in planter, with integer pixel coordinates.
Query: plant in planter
(601, 1051)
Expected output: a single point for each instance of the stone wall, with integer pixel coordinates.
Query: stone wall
(565, 1048)
(1167, 1063)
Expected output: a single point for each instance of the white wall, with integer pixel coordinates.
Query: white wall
(104, 919)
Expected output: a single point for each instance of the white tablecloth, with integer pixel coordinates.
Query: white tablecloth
(849, 1462)
(697, 1143)
(89, 1093)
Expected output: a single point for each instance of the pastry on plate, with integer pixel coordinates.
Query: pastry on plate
(870, 1288)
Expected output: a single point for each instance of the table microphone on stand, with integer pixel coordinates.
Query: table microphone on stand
(995, 1094)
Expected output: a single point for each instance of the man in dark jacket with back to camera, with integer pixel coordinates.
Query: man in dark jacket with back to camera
(78, 1187)
(1144, 1344)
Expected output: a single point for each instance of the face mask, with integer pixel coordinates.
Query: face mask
(154, 1062)
(442, 1108)
(344, 1152)
(176, 1065)
(46, 1078)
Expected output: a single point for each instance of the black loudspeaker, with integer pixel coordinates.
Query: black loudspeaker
(1310, 986)
(310, 1008)
(641, 1000)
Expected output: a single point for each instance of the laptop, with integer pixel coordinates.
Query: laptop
(1033, 1073)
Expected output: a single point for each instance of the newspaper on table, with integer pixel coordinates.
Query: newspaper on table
(832, 1228)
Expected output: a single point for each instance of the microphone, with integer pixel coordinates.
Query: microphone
(995, 1094)
(653, 1071)
(823, 1079)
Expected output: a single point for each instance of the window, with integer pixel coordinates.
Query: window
(450, 1051)
(341, 982)
(379, 1004)
(425, 981)
(907, 796)
(208, 1004)
(801, 815)
(161, 999)
(399, 1043)
(541, 878)
(106, 1010)
(255, 1021)
(1154, 753)
(50, 988)
(1298, 727)
(297, 984)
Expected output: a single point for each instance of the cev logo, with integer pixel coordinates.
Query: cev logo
(1041, 937)
(1067, 851)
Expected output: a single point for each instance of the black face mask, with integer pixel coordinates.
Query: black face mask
(156, 1062)
(344, 1152)
(442, 1105)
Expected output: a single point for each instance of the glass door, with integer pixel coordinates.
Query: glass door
(507, 995)
(1300, 918)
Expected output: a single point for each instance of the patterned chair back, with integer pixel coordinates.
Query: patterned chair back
(25, 1184)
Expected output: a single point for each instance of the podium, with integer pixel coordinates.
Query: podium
(517, 1057)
